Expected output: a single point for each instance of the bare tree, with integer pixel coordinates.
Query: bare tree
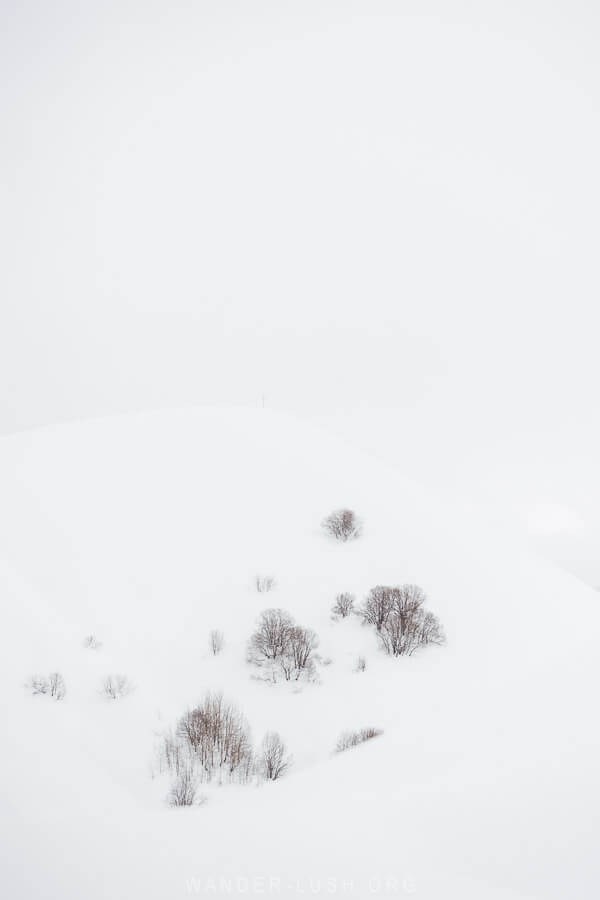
(216, 642)
(184, 788)
(273, 759)
(396, 640)
(264, 583)
(172, 753)
(298, 656)
(353, 738)
(91, 642)
(431, 631)
(116, 686)
(272, 636)
(377, 606)
(342, 524)
(343, 606)
(407, 600)
(56, 685)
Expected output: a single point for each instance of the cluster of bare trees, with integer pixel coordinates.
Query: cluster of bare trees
(398, 615)
(212, 742)
(402, 623)
(282, 648)
(217, 737)
(342, 524)
(348, 739)
(52, 685)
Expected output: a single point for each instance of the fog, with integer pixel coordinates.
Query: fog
(379, 214)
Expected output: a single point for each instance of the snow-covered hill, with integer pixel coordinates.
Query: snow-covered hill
(148, 531)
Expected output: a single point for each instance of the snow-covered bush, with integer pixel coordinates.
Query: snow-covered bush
(343, 606)
(216, 738)
(216, 642)
(342, 524)
(91, 642)
(282, 648)
(116, 686)
(184, 788)
(264, 583)
(273, 759)
(53, 685)
(353, 738)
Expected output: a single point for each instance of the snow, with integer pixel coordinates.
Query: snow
(148, 531)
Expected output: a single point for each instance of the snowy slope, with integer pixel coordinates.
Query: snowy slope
(148, 531)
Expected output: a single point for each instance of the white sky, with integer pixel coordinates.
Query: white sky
(342, 205)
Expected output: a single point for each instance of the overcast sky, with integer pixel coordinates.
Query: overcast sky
(343, 206)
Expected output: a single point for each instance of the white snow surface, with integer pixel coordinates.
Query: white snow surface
(147, 531)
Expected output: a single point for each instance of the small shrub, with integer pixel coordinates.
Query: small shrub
(264, 583)
(53, 685)
(116, 686)
(343, 606)
(91, 642)
(57, 687)
(342, 524)
(273, 759)
(361, 664)
(38, 684)
(350, 739)
(216, 642)
(184, 789)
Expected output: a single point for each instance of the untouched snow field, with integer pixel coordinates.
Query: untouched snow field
(148, 531)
